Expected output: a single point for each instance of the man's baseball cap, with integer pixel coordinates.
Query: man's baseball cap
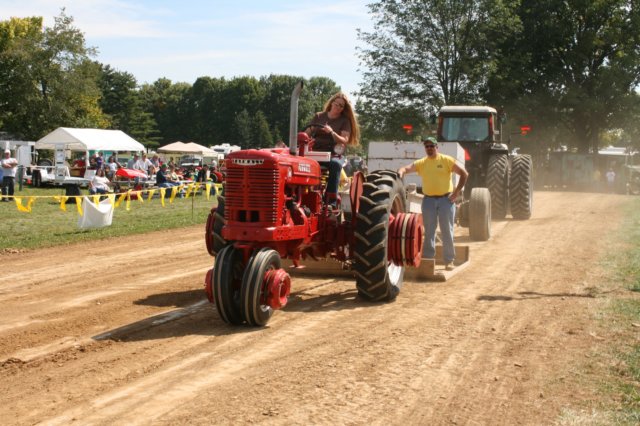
(431, 140)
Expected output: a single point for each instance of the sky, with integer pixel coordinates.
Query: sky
(184, 40)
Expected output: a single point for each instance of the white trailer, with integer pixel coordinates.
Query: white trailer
(393, 155)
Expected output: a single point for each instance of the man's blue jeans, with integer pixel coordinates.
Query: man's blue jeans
(438, 211)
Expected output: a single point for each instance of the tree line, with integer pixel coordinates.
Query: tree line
(567, 69)
(48, 79)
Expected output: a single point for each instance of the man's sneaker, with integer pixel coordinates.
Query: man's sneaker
(449, 266)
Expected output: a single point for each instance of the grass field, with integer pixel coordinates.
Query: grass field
(623, 318)
(48, 225)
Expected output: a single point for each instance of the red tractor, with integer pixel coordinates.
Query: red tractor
(272, 207)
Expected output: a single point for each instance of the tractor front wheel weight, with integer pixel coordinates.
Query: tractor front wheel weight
(265, 287)
(226, 285)
(383, 197)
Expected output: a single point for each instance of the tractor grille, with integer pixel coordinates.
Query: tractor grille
(251, 194)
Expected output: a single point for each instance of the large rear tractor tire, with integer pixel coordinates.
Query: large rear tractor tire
(521, 187)
(480, 214)
(227, 283)
(213, 230)
(498, 184)
(377, 278)
(254, 287)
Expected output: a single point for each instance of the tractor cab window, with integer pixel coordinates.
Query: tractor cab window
(474, 129)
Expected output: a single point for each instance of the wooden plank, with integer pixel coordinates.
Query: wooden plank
(429, 269)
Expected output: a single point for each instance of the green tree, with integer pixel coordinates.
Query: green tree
(123, 103)
(260, 131)
(426, 53)
(168, 103)
(47, 79)
(573, 70)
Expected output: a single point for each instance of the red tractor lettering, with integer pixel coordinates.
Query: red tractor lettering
(272, 208)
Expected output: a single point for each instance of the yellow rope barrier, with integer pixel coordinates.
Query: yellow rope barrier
(116, 199)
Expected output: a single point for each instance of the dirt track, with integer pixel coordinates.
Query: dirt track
(120, 332)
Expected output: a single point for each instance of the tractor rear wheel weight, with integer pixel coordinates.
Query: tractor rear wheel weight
(498, 184)
(227, 276)
(255, 310)
(377, 278)
(521, 189)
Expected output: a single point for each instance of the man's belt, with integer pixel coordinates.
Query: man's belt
(438, 196)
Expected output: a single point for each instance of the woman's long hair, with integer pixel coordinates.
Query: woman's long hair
(354, 136)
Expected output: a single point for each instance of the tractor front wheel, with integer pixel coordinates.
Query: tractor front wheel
(255, 283)
(226, 285)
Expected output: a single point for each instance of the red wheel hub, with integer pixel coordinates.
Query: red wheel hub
(278, 286)
(208, 285)
(406, 233)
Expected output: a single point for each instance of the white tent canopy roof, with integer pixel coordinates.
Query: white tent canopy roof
(188, 148)
(173, 147)
(89, 140)
(201, 149)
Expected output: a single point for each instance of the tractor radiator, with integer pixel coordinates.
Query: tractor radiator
(251, 195)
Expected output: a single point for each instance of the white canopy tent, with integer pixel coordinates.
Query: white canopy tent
(89, 140)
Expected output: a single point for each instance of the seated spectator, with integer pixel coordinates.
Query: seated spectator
(112, 167)
(99, 184)
(131, 164)
(172, 176)
(99, 160)
(203, 174)
(155, 160)
(92, 161)
(162, 180)
(216, 176)
(145, 165)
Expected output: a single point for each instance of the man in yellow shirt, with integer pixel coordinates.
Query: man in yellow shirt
(438, 205)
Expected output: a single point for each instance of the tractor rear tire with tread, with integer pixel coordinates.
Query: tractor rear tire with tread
(521, 189)
(498, 184)
(377, 279)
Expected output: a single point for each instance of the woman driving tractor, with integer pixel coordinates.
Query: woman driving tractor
(333, 129)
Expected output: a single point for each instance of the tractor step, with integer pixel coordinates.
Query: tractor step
(429, 269)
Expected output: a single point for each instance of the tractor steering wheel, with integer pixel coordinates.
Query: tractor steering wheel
(338, 148)
(309, 126)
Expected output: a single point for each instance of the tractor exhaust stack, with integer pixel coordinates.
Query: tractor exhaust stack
(293, 119)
